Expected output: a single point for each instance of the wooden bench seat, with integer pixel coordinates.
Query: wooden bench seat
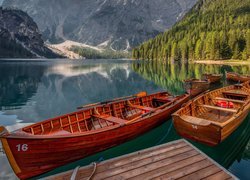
(195, 120)
(145, 108)
(218, 108)
(111, 119)
(230, 100)
(236, 93)
(162, 99)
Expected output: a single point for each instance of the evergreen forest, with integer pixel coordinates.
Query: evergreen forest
(211, 30)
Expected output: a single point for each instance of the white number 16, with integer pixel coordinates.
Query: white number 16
(22, 147)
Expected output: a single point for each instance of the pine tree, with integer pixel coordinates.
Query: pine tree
(213, 29)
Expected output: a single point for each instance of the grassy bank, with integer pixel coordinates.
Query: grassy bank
(223, 62)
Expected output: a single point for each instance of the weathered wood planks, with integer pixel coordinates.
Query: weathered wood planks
(175, 160)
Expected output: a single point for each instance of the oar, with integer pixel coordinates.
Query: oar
(140, 94)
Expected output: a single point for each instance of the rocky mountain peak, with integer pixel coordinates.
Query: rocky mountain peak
(118, 24)
(18, 30)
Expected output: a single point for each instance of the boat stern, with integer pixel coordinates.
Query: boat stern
(203, 132)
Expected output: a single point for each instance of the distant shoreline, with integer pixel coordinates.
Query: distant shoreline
(223, 62)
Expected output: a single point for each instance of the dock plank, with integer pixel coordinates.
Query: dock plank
(134, 158)
(138, 164)
(175, 160)
(202, 173)
(218, 176)
(164, 169)
(186, 170)
(135, 169)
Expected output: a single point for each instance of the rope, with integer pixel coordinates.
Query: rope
(2, 150)
(93, 172)
(73, 176)
(166, 135)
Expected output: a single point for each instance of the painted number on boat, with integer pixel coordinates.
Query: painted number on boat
(194, 126)
(22, 147)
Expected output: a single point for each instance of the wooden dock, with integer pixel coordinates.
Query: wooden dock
(174, 160)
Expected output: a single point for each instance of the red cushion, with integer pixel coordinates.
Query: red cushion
(225, 104)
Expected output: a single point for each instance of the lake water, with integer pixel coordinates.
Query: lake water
(31, 91)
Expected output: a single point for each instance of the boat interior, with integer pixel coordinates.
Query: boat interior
(217, 106)
(103, 115)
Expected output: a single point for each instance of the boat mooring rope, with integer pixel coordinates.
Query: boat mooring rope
(73, 176)
(166, 135)
(93, 172)
(2, 150)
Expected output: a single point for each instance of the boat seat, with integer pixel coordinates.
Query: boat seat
(162, 99)
(218, 108)
(230, 100)
(145, 108)
(195, 120)
(236, 93)
(112, 119)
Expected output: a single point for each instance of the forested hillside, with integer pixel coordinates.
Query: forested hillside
(213, 29)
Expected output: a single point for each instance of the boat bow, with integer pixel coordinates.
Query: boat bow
(3, 131)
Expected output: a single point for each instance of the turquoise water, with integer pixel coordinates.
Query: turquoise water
(31, 91)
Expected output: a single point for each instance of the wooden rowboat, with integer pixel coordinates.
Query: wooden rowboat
(46, 145)
(212, 117)
(196, 86)
(213, 78)
(237, 77)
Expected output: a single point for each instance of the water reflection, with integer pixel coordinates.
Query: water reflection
(171, 76)
(34, 91)
(234, 152)
(42, 91)
(18, 83)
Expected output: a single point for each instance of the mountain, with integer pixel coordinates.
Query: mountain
(213, 29)
(20, 37)
(117, 24)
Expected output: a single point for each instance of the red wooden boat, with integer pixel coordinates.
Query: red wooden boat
(213, 78)
(45, 145)
(237, 77)
(196, 86)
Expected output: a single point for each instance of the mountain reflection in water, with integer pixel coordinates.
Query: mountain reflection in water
(33, 91)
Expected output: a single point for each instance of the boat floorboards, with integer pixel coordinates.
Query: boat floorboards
(175, 160)
(216, 116)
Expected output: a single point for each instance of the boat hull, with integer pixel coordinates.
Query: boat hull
(33, 156)
(213, 78)
(196, 88)
(237, 77)
(210, 134)
(202, 120)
